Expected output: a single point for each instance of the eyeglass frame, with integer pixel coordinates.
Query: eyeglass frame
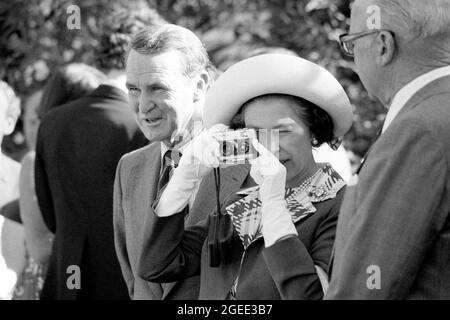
(356, 36)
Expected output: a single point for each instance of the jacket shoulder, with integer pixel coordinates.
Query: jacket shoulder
(431, 118)
(435, 111)
(140, 156)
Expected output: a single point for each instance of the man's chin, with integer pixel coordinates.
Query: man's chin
(159, 136)
(152, 136)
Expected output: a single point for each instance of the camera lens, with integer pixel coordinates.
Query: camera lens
(228, 148)
(245, 147)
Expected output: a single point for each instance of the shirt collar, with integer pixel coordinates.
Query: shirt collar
(246, 216)
(193, 132)
(408, 91)
(178, 147)
(325, 185)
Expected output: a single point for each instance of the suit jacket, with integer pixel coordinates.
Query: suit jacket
(134, 192)
(394, 224)
(78, 148)
(285, 270)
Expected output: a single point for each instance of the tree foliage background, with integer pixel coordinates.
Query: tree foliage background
(34, 38)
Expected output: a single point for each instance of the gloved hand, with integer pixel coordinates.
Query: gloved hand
(198, 159)
(270, 175)
(201, 154)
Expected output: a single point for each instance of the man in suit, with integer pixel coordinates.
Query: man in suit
(393, 236)
(167, 77)
(78, 148)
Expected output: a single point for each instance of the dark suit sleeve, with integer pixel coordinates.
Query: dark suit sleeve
(119, 233)
(396, 218)
(43, 193)
(169, 252)
(292, 265)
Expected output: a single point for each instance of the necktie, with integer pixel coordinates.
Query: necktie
(170, 161)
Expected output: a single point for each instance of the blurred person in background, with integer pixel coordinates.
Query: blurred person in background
(78, 148)
(324, 153)
(12, 239)
(67, 83)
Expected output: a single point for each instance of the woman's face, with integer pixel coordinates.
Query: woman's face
(31, 119)
(295, 151)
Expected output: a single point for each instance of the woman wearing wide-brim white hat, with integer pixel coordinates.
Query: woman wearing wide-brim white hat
(283, 218)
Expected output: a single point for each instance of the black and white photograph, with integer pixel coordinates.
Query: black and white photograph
(242, 151)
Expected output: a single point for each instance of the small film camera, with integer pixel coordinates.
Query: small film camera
(236, 146)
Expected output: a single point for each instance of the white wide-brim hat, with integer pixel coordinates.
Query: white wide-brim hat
(277, 74)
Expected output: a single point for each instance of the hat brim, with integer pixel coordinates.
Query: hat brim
(277, 74)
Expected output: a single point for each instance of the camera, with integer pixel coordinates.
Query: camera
(236, 146)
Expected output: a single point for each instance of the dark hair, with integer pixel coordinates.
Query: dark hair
(121, 21)
(170, 37)
(69, 83)
(318, 121)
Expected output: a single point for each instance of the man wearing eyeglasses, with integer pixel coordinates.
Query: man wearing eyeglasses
(393, 236)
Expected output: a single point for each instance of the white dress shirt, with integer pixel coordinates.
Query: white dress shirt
(408, 91)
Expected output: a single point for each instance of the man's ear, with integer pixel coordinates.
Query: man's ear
(201, 86)
(386, 47)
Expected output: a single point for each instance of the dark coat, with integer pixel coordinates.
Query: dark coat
(395, 222)
(285, 270)
(78, 148)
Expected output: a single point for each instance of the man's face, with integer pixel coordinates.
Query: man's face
(161, 96)
(364, 57)
(295, 151)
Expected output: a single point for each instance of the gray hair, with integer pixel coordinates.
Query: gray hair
(169, 37)
(417, 18)
(12, 101)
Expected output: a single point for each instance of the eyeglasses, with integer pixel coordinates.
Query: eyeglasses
(347, 40)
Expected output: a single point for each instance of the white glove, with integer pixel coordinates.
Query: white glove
(198, 159)
(202, 153)
(270, 175)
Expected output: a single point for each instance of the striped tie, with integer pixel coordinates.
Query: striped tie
(170, 161)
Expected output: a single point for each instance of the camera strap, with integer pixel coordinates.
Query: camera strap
(214, 227)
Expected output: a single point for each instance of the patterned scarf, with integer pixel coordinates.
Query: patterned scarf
(246, 214)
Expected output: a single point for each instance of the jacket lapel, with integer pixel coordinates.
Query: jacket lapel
(205, 201)
(232, 179)
(153, 164)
